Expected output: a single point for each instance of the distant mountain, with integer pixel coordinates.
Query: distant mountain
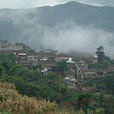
(27, 25)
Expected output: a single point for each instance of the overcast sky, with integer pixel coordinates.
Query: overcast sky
(37, 3)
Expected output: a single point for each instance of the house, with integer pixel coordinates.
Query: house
(5, 46)
(48, 54)
(20, 57)
(71, 70)
(110, 69)
(14, 47)
(5, 52)
(69, 61)
(27, 59)
(89, 75)
(45, 71)
(61, 57)
(90, 60)
(32, 58)
(44, 59)
(70, 82)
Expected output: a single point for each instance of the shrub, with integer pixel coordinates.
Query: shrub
(11, 101)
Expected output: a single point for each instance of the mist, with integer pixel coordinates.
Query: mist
(73, 37)
(68, 37)
(65, 37)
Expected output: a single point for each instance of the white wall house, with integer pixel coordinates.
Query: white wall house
(70, 61)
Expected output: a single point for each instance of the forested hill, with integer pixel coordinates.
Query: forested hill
(30, 24)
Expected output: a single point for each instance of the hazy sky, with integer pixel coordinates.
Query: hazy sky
(37, 3)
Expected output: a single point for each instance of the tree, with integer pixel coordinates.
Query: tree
(102, 60)
(100, 54)
(109, 104)
(1, 71)
(7, 62)
(18, 70)
(62, 65)
(85, 102)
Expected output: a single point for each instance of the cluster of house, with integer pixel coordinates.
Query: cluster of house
(6, 46)
(77, 68)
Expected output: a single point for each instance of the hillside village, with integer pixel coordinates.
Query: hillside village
(75, 69)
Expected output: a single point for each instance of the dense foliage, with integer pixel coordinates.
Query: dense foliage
(31, 82)
(11, 101)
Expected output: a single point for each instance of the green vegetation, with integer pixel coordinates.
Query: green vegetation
(32, 83)
(62, 65)
(102, 59)
(11, 101)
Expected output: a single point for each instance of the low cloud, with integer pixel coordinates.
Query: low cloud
(73, 37)
(65, 37)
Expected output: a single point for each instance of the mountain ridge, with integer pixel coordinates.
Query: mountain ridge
(30, 25)
(70, 2)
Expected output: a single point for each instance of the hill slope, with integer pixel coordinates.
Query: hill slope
(34, 26)
(12, 101)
